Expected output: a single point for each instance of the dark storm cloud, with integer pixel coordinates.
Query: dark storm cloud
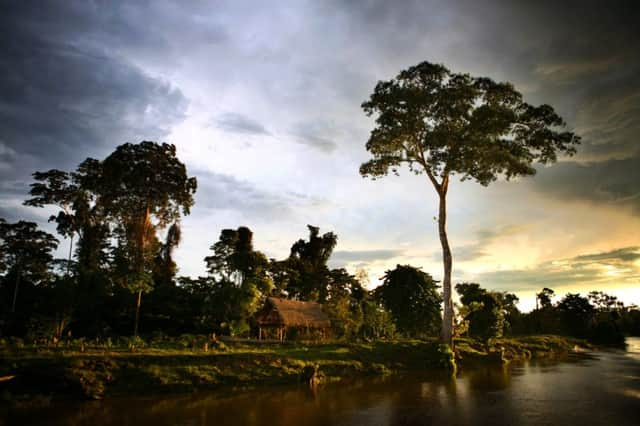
(17, 212)
(588, 69)
(582, 57)
(63, 101)
(239, 123)
(612, 182)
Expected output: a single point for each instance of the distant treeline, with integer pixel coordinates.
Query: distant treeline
(598, 317)
(121, 216)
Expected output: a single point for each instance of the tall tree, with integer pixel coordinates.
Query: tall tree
(442, 123)
(143, 188)
(75, 194)
(26, 253)
(413, 299)
(56, 187)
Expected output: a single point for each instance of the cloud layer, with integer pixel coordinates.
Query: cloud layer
(263, 101)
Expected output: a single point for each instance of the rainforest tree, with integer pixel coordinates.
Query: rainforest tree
(143, 188)
(309, 259)
(26, 253)
(442, 124)
(413, 298)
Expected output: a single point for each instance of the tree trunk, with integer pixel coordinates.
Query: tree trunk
(15, 290)
(447, 320)
(70, 253)
(146, 221)
(135, 325)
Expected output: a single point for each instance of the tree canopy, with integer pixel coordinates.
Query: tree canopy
(443, 123)
(146, 176)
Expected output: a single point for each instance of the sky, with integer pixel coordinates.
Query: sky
(262, 100)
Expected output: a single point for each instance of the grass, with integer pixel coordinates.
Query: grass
(94, 369)
(509, 349)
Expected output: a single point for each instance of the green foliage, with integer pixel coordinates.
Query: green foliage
(486, 311)
(25, 256)
(308, 259)
(577, 314)
(377, 322)
(234, 259)
(59, 188)
(25, 250)
(344, 303)
(412, 298)
(239, 280)
(75, 194)
(599, 317)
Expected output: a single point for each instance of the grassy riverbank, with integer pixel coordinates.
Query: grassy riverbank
(82, 369)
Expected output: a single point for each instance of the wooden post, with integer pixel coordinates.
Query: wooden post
(259, 333)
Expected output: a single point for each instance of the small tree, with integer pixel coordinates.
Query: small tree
(441, 123)
(344, 303)
(25, 253)
(543, 299)
(240, 276)
(377, 322)
(413, 299)
(309, 259)
(577, 315)
(484, 310)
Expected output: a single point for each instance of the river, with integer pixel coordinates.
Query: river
(601, 388)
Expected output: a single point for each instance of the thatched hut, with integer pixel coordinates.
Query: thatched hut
(280, 315)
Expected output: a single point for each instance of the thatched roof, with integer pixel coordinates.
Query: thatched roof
(292, 313)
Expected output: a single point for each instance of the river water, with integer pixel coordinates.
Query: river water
(601, 388)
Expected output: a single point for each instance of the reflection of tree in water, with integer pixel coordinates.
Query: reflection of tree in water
(390, 401)
(488, 378)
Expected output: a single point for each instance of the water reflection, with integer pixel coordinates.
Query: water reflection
(590, 390)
